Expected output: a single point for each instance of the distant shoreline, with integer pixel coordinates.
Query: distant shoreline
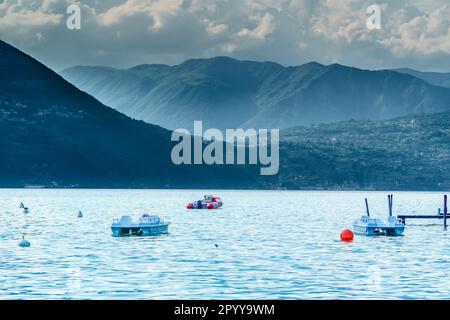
(225, 189)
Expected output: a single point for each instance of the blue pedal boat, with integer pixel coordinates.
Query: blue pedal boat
(368, 226)
(148, 225)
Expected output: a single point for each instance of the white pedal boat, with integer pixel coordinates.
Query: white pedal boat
(148, 225)
(373, 227)
(368, 226)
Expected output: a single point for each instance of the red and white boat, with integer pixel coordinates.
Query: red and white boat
(208, 202)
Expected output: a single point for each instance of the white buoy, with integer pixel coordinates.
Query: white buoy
(80, 214)
(24, 243)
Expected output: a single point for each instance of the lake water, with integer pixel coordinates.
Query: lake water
(271, 245)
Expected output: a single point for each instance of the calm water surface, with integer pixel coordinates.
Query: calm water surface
(271, 245)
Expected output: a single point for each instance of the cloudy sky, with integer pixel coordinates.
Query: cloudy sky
(123, 33)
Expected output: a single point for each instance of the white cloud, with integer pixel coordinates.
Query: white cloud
(264, 28)
(340, 20)
(158, 10)
(422, 34)
(15, 14)
(39, 36)
(214, 29)
(414, 33)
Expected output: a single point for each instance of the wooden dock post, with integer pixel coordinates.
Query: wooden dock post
(445, 212)
(367, 207)
(392, 204)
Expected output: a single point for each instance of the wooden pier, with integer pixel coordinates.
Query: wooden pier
(423, 216)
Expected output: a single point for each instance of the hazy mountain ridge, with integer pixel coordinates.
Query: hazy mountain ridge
(228, 93)
(53, 134)
(440, 79)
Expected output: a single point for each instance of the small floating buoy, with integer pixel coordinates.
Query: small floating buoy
(25, 209)
(190, 206)
(80, 214)
(347, 236)
(24, 243)
(216, 246)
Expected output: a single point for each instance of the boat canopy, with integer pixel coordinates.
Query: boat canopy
(150, 219)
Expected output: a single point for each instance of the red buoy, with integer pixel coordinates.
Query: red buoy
(190, 206)
(210, 206)
(347, 236)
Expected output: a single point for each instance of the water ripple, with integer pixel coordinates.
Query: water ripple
(271, 245)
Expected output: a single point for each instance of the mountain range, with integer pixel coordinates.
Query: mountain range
(53, 134)
(440, 79)
(228, 93)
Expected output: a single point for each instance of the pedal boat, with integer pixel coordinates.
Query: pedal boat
(208, 202)
(373, 227)
(368, 226)
(148, 225)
